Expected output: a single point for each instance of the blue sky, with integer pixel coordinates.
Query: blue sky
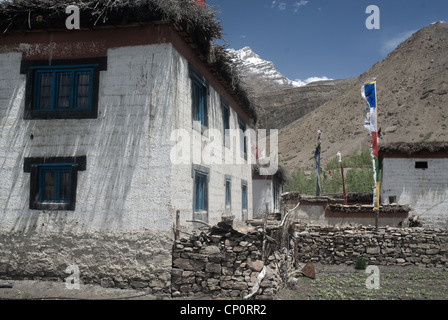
(323, 38)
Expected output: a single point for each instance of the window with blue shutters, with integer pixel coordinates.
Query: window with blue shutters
(243, 139)
(244, 195)
(228, 192)
(199, 100)
(66, 89)
(200, 192)
(53, 181)
(226, 124)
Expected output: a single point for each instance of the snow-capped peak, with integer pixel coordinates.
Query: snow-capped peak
(253, 65)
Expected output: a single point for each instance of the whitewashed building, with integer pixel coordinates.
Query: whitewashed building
(267, 191)
(100, 130)
(416, 174)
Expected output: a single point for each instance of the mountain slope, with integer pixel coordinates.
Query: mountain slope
(412, 83)
(260, 75)
(280, 100)
(282, 107)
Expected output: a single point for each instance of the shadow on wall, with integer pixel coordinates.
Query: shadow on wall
(429, 203)
(122, 149)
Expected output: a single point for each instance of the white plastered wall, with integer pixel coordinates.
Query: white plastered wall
(219, 166)
(425, 190)
(126, 183)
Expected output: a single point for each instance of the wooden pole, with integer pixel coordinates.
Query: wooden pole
(343, 184)
(343, 178)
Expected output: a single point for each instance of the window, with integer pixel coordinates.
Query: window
(66, 89)
(243, 139)
(276, 196)
(199, 91)
(62, 88)
(54, 182)
(392, 199)
(421, 165)
(228, 192)
(244, 195)
(200, 192)
(226, 123)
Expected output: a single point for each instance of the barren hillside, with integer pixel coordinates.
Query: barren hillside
(412, 83)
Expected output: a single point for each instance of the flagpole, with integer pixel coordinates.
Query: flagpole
(317, 152)
(369, 93)
(377, 183)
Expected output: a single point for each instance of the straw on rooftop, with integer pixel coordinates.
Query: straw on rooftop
(198, 23)
(414, 147)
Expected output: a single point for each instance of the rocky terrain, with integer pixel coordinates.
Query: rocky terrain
(282, 107)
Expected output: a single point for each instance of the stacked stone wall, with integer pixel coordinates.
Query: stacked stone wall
(223, 266)
(387, 246)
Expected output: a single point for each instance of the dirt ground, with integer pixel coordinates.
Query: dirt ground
(332, 282)
(343, 282)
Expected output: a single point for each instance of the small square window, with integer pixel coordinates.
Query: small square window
(54, 182)
(421, 165)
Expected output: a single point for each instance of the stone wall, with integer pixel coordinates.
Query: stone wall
(139, 260)
(224, 266)
(388, 246)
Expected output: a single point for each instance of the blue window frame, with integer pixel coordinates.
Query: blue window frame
(228, 192)
(55, 183)
(243, 139)
(63, 88)
(226, 123)
(200, 192)
(199, 107)
(66, 89)
(244, 195)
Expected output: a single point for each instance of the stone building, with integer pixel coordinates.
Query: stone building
(100, 132)
(416, 174)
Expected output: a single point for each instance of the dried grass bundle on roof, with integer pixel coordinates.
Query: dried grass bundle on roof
(198, 23)
(411, 148)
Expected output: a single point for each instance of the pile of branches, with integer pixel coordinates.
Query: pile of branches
(200, 24)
